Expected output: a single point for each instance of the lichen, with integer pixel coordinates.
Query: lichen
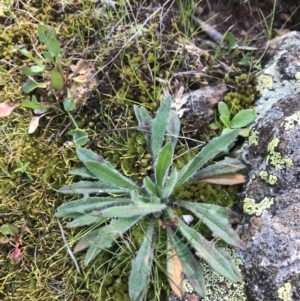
(268, 178)
(291, 121)
(284, 292)
(275, 158)
(251, 207)
(253, 138)
(218, 287)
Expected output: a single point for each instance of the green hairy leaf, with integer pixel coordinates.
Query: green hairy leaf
(132, 210)
(88, 204)
(228, 165)
(173, 128)
(149, 186)
(57, 80)
(159, 125)
(85, 155)
(139, 277)
(82, 172)
(88, 187)
(144, 121)
(85, 220)
(106, 173)
(162, 164)
(31, 85)
(170, 185)
(209, 152)
(218, 261)
(191, 266)
(107, 235)
(216, 218)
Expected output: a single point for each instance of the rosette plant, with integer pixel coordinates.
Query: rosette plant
(115, 203)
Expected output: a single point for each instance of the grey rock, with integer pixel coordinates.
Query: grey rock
(271, 226)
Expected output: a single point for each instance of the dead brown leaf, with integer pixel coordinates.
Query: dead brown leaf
(6, 108)
(175, 272)
(226, 179)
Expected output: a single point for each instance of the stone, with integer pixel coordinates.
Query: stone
(271, 226)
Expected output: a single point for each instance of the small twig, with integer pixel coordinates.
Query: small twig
(67, 246)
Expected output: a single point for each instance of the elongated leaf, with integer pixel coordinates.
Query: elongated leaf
(82, 172)
(137, 198)
(162, 164)
(88, 187)
(226, 166)
(85, 155)
(139, 277)
(243, 118)
(191, 266)
(107, 235)
(132, 210)
(86, 240)
(219, 262)
(144, 121)
(159, 125)
(85, 220)
(175, 270)
(211, 150)
(45, 33)
(108, 174)
(173, 128)
(85, 205)
(149, 186)
(216, 218)
(170, 185)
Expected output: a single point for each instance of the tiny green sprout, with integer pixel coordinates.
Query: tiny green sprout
(47, 80)
(239, 121)
(113, 204)
(23, 168)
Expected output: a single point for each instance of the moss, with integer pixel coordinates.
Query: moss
(274, 158)
(251, 207)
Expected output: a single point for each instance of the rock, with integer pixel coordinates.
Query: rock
(271, 227)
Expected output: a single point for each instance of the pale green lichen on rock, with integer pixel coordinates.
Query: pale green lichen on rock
(284, 292)
(253, 138)
(250, 207)
(275, 158)
(291, 121)
(268, 178)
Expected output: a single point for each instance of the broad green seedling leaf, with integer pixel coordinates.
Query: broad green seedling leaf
(139, 277)
(53, 47)
(223, 109)
(57, 80)
(243, 118)
(34, 70)
(80, 137)
(31, 85)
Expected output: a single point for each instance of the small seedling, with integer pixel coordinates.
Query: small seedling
(54, 80)
(13, 235)
(239, 120)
